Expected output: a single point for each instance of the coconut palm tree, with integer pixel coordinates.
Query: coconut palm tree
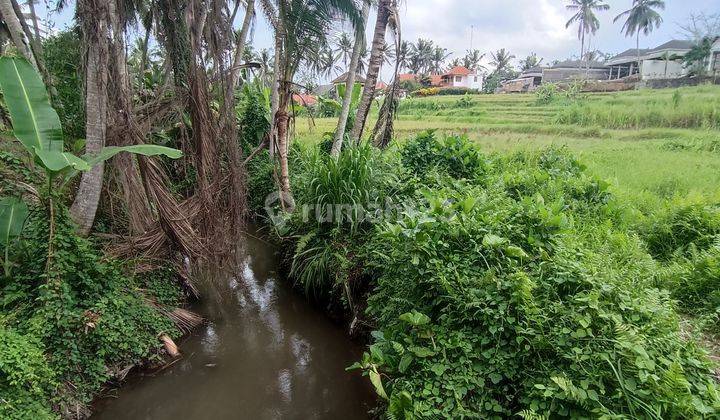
(350, 84)
(343, 49)
(421, 55)
(472, 59)
(387, 15)
(530, 61)
(585, 18)
(300, 27)
(437, 59)
(403, 55)
(501, 60)
(644, 17)
(15, 29)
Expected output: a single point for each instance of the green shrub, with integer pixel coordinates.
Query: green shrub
(697, 287)
(490, 307)
(454, 155)
(680, 228)
(261, 182)
(81, 328)
(26, 380)
(546, 93)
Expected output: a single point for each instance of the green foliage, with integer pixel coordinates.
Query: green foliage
(37, 126)
(66, 325)
(337, 201)
(454, 155)
(253, 114)
(26, 380)
(546, 93)
(696, 284)
(261, 182)
(697, 58)
(445, 91)
(13, 213)
(681, 228)
(63, 58)
(642, 112)
(535, 305)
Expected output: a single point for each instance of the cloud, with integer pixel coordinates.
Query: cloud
(526, 26)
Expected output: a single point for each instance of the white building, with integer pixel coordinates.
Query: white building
(662, 62)
(462, 77)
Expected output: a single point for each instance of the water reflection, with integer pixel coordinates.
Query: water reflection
(266, 355)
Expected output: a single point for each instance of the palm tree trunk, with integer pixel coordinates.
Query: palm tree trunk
(350, 84)
(12, 21)
(33, 14)
(241, 41)
(96, 67)
(376, 59)
(282, 120)
(275, 91)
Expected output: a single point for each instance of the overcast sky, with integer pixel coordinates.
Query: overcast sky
(522, 26)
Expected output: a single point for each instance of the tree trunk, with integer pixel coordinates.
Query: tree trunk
(12, 21)
(282, 120)
(275, 95)
(376, 59)
(350, 84)
(96, 67)
(241, 41)
(33, 14)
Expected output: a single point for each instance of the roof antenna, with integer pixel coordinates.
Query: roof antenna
(472, 29)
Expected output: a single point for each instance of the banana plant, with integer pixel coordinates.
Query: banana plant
(13, 213)
(37, 126)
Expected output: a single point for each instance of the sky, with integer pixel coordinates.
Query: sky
(521, 26)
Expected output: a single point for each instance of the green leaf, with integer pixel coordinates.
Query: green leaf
(492, 241)
(377, 383)
(438, 369)
(13, 213)
(422, 351)
(57, 161)
(515, 251)
(405, 361)
(35, 123)
(140, 149)
(415, 318)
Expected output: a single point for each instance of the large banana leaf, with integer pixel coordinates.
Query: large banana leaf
(354, 97)
(35, 122)
(13, 213)
(140, 149)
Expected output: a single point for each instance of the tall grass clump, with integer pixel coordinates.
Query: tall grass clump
(337, 199)
(697, 114)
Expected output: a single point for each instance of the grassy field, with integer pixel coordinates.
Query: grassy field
(652, 145)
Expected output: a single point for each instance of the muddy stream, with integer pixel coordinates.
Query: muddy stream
(265, 354)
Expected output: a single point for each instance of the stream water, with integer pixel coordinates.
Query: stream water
(265, 354)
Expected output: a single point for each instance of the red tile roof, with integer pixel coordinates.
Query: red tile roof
(458, 71)
(304, 100)
(435, 79)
